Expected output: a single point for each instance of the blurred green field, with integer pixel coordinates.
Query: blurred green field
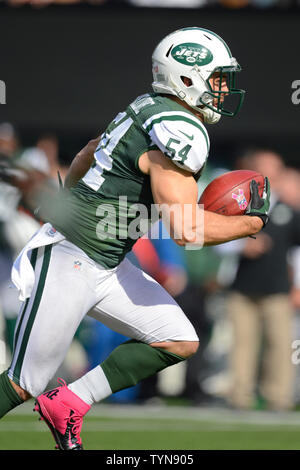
(160, 428)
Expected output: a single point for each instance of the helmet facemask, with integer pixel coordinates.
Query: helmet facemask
(220, 96)
(211, 100)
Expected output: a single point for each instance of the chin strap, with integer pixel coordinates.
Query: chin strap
(210, 116)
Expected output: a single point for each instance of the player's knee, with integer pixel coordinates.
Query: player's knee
(191, 348)
(185, 349)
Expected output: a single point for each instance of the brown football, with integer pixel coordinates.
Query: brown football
(229, 194)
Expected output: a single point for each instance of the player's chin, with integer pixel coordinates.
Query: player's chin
(217, 102)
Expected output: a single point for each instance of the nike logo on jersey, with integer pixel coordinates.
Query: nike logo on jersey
(191, 137)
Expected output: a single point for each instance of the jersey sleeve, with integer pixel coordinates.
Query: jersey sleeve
(180, 137)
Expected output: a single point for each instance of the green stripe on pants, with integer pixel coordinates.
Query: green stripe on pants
(18, 327)
(33, 312)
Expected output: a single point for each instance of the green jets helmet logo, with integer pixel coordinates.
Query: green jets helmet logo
(190, 53)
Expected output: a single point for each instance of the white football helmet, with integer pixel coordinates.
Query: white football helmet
(196, 53)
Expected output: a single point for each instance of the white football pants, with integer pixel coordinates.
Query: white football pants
(69, 285)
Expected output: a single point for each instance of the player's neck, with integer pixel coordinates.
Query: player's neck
(185, 105)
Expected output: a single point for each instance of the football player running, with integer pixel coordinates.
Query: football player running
(152, 153)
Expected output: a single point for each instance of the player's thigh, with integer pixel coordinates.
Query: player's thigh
(136, 306)
(48, 320)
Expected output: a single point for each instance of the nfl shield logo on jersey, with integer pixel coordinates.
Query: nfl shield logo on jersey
(51, 232)
(77, 264)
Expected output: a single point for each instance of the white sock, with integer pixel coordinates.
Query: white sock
(92, 387)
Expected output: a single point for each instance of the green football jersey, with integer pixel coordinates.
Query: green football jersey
(108, 210)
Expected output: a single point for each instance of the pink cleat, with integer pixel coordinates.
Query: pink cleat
(63, 412)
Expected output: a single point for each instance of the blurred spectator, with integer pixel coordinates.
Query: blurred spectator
(290, 193)
(9, 200)
(48, 143)
(290, 187)
(9, 195)
(9, 142)
(259, 305)
(28, 173)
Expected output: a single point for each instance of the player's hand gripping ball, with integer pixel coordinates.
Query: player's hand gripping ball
(230, 193)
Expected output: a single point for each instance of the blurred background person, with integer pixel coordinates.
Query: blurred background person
(259, 306)
(9, 199)
(49, 144)
(290, 194)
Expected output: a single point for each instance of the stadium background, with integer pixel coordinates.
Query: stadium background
(68, 69)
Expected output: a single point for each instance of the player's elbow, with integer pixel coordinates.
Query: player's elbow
(188, 238)
(186, 225)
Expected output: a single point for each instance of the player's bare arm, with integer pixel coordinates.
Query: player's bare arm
(81, 163)
(172, 185)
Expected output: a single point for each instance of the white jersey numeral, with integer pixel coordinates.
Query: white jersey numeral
(94, 177)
